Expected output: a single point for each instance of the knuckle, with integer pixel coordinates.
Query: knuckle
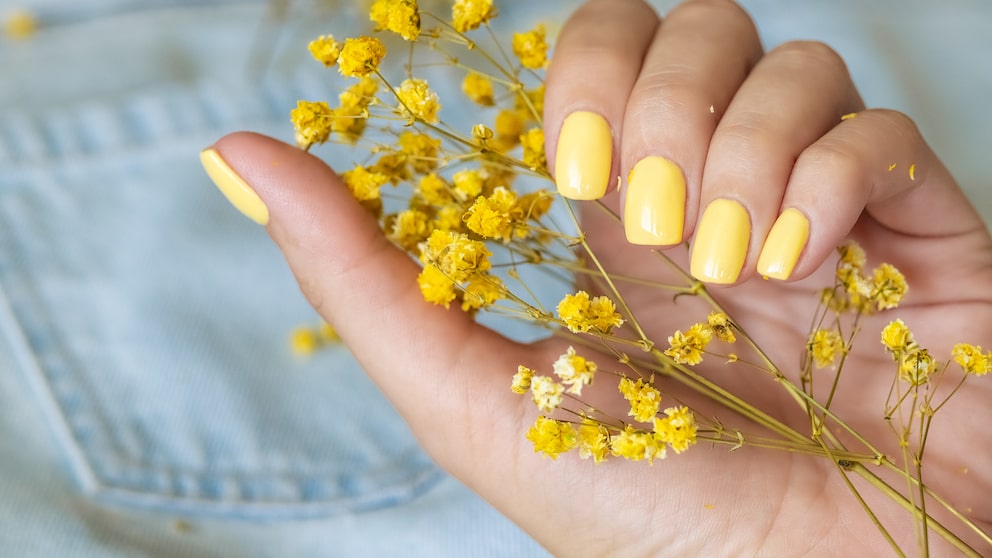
(807, 53)
(895, 120)
(724, 8)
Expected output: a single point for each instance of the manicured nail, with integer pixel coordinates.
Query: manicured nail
(720, 246)
(237, 191)
(654, 209)
(584, 156)
(784, 244)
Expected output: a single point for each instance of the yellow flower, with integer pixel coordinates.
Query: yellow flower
(637, 445)
(361, 56)
(409, 228)
(351, 115)
(436, 287)
(455, 254)
(363, 183)
(888, 287)
(852, 255)
(581, 314)
(531, 102)
(394, 166)
(508, 127)
(688, 347)
(421, 150)
(479, 89)
(575, 371)
(493, 216)
(482, 291)
(312, 122)
(535, 205)
(399, 16)
(418, 100)
(533, 143)
(468, 184)
(448, 219)
(467, 15)
(327, 333)
(434, 190)
(531, 48)
(896, 337)
(325, 50)
(304, 341)
(971, 359)
(645, 399)
(546, 392)
(521, 380)
(19, 24)
(721, 326)
(825, 346)
(594, 441)
(678, 429)
(552, 437)
(916, 367)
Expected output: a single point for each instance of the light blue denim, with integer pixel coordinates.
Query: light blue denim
(149, 404)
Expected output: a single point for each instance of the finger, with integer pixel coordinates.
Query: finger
(795, 94)
(877, 163)
(431, 363)
(596, 62)
(700, 56)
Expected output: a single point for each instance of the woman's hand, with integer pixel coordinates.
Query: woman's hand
(745, 155)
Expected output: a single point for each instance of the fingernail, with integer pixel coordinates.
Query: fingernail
(237, 191)
(584, 156)
(784, 244)
(654, 209)
(720, 245)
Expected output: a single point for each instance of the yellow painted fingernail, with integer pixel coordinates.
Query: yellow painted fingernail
(237, 191)
(720, 245)
(584, 156)
(654, 210)
(784, 244)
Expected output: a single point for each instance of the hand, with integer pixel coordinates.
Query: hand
(774, 140)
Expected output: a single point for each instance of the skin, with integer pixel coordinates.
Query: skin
(774, 141)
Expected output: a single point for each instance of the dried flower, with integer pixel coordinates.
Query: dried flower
(325, 50)
(688, 347)
(582, 314)
(467, 15)
(312, 122)
(399, 16)
(825, 346)
(418, 100)
(677, 429)
(531, 48)
(645, 399)
(479, 89)
(546, 392)
(552, 437)
(575, 371)
(521, 380)
(971, 359)
(361, 56)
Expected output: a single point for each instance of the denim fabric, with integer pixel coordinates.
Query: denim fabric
(149, 405)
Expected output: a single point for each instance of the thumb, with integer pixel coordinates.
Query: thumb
(439, 368)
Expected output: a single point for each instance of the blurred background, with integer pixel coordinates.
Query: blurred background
(150, 404)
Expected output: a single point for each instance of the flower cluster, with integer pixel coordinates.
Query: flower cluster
(468, 204)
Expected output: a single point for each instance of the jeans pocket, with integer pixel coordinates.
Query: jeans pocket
(152, 319)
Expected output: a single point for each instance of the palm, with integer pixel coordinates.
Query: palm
(704, 487)
(449, 378)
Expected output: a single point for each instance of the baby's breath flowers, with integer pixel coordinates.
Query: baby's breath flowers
(473, 204)
(361, 56)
